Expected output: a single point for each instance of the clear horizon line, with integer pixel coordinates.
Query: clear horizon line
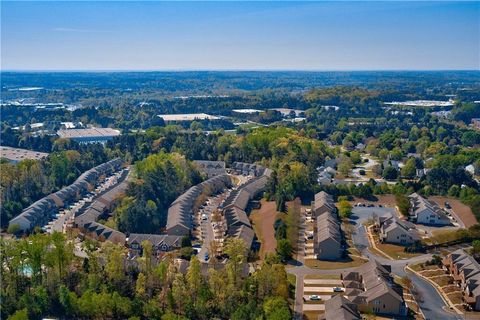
(233, 70)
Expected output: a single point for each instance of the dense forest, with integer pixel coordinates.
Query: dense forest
(56, 283)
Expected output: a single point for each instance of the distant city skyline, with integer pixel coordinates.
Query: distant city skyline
(169, 36)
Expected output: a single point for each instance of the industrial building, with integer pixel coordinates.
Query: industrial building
(16, 155)
(90, 135)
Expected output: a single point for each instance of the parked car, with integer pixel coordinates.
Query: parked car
(447, 205)
(315, 297)
(204, 217)
(206, 256)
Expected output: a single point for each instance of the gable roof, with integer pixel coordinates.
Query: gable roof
(340, 308)
(420, 204)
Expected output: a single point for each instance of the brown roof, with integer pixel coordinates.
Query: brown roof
(340, 308)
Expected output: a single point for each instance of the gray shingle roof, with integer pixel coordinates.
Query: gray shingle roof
(211, 168)
(340, 308)
(375, 280)
(181, 210)
(157, 240)
(419, 204)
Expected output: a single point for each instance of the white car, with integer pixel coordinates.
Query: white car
(204, 217)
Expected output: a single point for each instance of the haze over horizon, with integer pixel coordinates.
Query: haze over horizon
(256, 36)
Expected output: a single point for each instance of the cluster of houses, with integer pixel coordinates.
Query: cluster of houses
(42, 211)
(427, 212)
(211, 168)
(325, 175)
(327, 232)
(181, 211)
(370, 288)
(465, 270)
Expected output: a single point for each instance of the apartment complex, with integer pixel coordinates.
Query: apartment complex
(466, 273)
(235, 206)
(86, 220)
(43, 210)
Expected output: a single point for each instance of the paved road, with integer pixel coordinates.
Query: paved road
(432, 305)
(298, 307)
(207, 232)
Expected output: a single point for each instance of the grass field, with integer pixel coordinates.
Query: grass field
(330, 265)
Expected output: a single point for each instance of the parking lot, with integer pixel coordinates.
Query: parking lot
(209, 226)
(61, 219)
(317, 289)
(360, 216)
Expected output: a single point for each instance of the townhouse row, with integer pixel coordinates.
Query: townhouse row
(328, 240)
(465, 270)
(42, 211)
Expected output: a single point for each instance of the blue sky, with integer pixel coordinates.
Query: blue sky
(240, 35)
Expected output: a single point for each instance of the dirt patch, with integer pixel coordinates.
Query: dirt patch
(263, 221)
(456, 297)
(442, 280)
(383, 199)
(463, 211)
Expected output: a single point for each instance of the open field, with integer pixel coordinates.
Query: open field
(395, 251)
(384, 199)
(350, 262)
(263, 220)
